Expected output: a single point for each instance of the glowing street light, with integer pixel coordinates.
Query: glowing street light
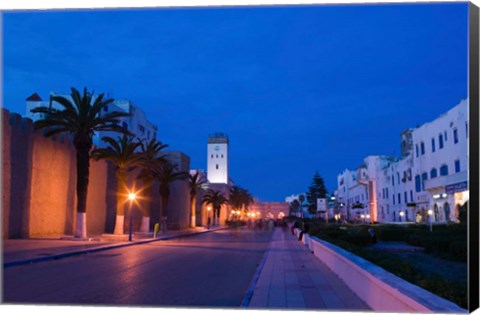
(401, 215)
(131, 197)
(430, 218)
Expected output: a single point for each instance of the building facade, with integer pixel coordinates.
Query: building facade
(217, 157)
(431, 174)
(136, 123)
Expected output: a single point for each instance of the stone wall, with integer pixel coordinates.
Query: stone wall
(39, 180)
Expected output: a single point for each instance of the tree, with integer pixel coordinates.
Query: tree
(240, 198)
(216, 199)
(294, 205)
(81, 119)
(301, 199)
(123, 155)
(151, 161)
(316, 190)
(167, 174)
(196, 182)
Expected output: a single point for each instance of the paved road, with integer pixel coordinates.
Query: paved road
(212, 269)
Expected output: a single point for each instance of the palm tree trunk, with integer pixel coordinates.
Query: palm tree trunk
(146, 210)
(83, 166)
(193, 202)
(122, 176)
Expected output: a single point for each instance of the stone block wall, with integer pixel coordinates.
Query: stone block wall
(39, 186)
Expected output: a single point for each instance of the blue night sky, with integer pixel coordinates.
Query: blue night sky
(297, 89)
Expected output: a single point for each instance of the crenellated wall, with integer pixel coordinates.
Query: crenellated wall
(39, 180)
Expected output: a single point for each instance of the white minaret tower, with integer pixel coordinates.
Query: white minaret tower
(217, 165)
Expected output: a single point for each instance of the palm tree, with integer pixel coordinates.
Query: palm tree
(216, 199)
(167, 174)
(196, 182)
(123, 155)
(295, 204)
(151, 160)
(240, 198)
(301, 198)
(82, 119)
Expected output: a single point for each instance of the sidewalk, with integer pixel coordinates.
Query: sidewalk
(293, 278)
(24, 251)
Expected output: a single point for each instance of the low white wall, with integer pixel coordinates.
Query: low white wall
(380, 289)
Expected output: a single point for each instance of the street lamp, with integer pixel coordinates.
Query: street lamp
(131, 197)
(368, 218)
(363, 217)
(208, 217)
(401, 215)
(430, 214)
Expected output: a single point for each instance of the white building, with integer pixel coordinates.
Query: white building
(136, 123)
(217, 157)
(431, 174)
(441, 164)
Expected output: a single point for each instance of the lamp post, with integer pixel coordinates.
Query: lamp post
(430, 214)
(208, 217)
(401, 215)
(131, 197)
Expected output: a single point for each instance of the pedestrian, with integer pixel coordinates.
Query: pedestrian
(208, 223)
(294, 226)
(304, 230)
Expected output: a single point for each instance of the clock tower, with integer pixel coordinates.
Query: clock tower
(217, 165)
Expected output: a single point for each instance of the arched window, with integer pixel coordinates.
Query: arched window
(433, 173)
(444, 170)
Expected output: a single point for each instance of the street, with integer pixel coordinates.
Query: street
(212, 269)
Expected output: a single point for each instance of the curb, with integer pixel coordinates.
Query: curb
(251, 287)
(98, 249)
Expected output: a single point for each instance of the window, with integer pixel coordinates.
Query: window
(444, 170)
(398, 178)
(216, 156)
(216, 166)
(445, 133)
(411, 195)
(418, 184)
(457, 166)
(105, 109)
(212, 156)
(455, 135)
(222, 156)
(393, 197)
(440, 141)
(399, 199)
(433, 144)
(466, 129)
(405, 196)
(422, 148)
(393, 180)
(424, 178)
(125, 125)
(433, 173)
(416, 149)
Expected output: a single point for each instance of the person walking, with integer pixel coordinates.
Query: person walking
(304, 230)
